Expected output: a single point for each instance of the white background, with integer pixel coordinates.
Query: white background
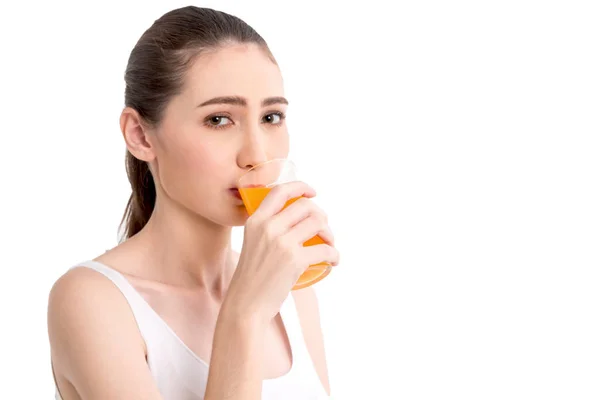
(455, 146)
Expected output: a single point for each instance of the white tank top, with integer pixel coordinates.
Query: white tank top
(181, 375)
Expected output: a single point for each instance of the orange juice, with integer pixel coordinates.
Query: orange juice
(252, 198)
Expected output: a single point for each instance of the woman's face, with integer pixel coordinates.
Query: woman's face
(229, 117)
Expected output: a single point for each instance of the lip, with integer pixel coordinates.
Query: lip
(236, 193)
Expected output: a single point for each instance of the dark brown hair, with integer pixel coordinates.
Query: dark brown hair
(155, 73)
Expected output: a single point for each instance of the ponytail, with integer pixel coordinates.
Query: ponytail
(143, 196)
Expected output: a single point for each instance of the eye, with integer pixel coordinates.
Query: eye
(274, 118)
(218, 121)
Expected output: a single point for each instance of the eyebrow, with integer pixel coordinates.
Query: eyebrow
(240, 101)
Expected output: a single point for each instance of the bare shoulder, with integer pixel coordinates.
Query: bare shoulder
(308, 311)
(77, 282)
(81, 290)
(94, 338)
(77, 293)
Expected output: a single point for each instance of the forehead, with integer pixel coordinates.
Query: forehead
(237, 70)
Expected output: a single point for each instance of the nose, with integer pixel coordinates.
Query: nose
(253, 150)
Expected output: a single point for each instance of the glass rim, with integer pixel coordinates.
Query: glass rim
(286, 160)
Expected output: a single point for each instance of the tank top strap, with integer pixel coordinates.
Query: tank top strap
(303, 369)
(139, 307)
(291, 321)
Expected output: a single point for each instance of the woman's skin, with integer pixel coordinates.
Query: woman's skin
(229, 117)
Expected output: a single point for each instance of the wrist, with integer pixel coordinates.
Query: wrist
(236, 363)
(239, 316)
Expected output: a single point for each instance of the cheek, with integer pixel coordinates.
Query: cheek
(198, 156)
(279, 145)
(202, 163)
(188, 164)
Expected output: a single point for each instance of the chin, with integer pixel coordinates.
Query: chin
(234, 216)
(239, 218)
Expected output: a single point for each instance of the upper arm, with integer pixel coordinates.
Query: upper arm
(310, 320)
(95, 343)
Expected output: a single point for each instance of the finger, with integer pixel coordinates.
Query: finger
(280, 194)
(298, 211)
(309, 228)
(320, 253)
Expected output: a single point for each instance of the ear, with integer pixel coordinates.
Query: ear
(135, 134)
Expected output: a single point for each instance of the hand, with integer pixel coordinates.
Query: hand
(273, 256)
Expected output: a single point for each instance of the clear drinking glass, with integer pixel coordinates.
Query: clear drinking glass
(254, 186)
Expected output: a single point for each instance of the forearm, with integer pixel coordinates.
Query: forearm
(236, 361)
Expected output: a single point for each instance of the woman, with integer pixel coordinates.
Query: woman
(145, 320)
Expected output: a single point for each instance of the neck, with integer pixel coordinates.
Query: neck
(186, 249)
